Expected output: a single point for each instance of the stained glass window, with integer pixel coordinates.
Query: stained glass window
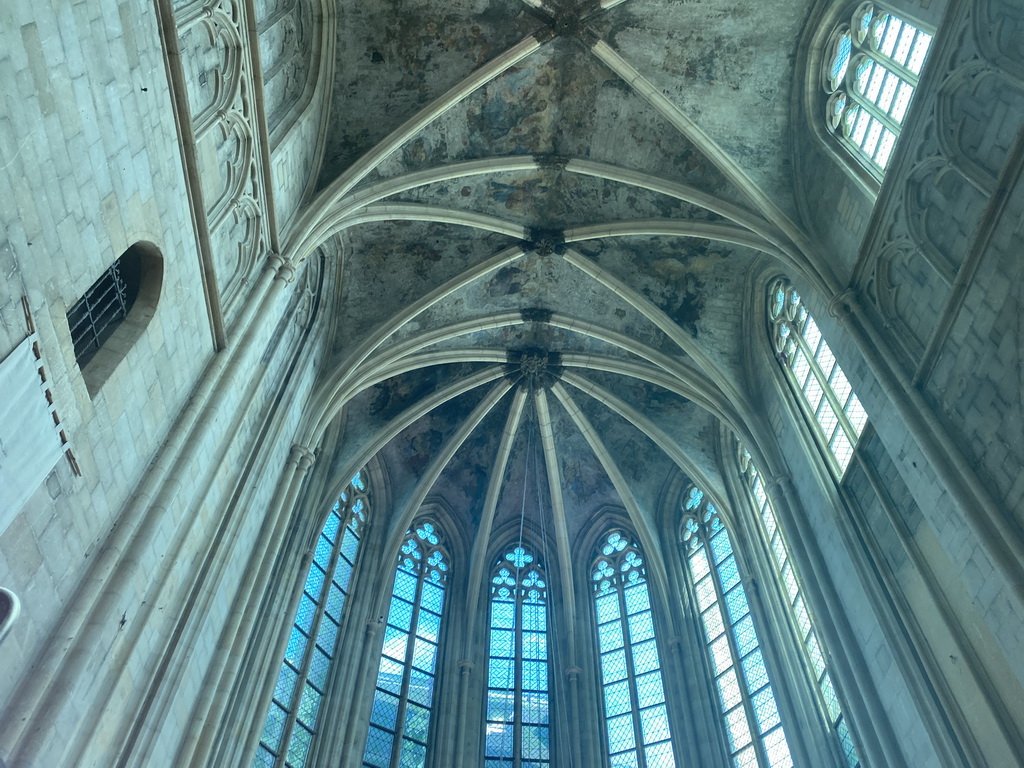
(826, 392)
(787, 578)
(404, 694)
(302, 681)
(517, 729)
(871, 69)
(745, 695)
(636, 720)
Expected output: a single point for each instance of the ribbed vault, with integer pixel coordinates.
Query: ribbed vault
(550, 213)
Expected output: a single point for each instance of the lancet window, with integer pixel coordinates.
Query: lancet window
(870, 70)
(786, 576)
(518, 732)
(404, 694)
(825, 392)
(636, 720)
(746, 699)
(301, 683)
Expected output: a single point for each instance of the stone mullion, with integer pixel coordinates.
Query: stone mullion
(410, 642)
(730, 635)
(314, 630)
(627, 644)
(517, 683)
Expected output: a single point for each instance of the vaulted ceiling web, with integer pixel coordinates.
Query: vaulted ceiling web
(549, 212)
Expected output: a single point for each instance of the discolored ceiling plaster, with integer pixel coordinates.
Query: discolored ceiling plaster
(611, 228)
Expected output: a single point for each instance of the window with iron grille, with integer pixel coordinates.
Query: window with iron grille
(95, 316)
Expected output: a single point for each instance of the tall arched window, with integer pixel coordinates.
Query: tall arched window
(745, 693)
(787, 578)
(517, 730)
(634, 696)
(870, 70)
(825, 391)
(291, 720)
(404, 695)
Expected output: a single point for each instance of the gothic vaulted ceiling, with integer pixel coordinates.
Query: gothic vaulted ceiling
(549, 213)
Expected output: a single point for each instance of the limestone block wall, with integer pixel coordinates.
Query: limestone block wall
(90, 166)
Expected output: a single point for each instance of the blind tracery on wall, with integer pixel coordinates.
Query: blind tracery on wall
(292, 717)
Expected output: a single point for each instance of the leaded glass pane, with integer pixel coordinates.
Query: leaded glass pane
(298, 748)
(378, 748)
(396, 643)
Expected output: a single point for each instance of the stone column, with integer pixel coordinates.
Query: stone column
(356, 726)
(573, 719)
(461, 756)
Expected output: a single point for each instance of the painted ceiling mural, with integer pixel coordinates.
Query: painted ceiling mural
(549, 213)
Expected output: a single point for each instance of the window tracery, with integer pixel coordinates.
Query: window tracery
(838, 415)
(404, 693)
(870, 70)
(746, 699)
(787, 579)
(517, 730)
(301, 683)
(636, 719)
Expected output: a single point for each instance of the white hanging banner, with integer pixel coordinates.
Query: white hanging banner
(30, 443)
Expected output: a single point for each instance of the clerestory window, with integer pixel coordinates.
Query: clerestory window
(870, 70)
(403, 698)
(745, 695)
(785, 573)
(518, 733)
(292, 717)
(636, 719)
(825, 392)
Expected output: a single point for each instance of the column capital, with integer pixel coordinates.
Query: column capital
(302, 456)
(843, 305)
(573, 673)
(466, 666)
(780, 481)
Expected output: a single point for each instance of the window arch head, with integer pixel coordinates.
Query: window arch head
(745, 696)
(636, 720)
(824, 391)
(517, 730)
(403, 697)
(871, 65)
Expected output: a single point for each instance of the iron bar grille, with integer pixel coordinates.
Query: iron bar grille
(104, 306)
